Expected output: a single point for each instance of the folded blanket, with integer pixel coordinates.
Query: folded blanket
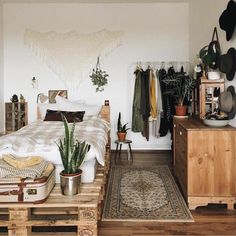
(14, 179)
(21, 162)
(9, 171)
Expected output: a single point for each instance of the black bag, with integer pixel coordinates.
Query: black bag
(210, 54)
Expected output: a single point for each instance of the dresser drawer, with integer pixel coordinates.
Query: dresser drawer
(180, 170)
(180, 133)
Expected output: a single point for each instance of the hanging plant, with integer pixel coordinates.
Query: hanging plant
(99, 77)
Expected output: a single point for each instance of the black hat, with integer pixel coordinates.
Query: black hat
(227, 63)
(227, 102)
(228, 19)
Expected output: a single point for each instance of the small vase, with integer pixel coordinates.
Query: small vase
(121, 136)
(180, 110)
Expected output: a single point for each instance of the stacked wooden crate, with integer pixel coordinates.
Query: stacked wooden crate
(82, 210)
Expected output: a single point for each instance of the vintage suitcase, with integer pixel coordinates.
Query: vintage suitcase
(28, 190)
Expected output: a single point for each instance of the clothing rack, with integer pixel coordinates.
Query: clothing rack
(163, 65)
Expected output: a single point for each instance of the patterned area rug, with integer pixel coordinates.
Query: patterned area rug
(144, 194)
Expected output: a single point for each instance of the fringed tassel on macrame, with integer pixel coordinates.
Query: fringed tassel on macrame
(72, 55)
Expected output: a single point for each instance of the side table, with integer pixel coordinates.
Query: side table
(129, 150)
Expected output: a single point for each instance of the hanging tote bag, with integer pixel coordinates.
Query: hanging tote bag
(210, 54)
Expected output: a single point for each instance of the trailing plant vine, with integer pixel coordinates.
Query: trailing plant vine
(99, 77)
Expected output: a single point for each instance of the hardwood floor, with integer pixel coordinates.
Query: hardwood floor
(209, 220)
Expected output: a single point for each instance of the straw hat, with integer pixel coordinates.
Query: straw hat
(227, 102)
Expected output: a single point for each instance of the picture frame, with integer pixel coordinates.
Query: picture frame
(53, 93)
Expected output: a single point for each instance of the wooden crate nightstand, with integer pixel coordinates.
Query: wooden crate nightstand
(15, 116)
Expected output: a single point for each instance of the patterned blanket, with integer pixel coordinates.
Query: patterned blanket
(42, 136)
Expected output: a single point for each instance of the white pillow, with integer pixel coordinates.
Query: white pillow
(66, 105)
(43, 108)
(64, 101)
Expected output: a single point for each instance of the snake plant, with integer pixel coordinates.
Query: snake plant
(121, 128)
(72, 151)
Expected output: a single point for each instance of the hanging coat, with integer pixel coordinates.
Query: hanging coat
(145, 102)
(164, 122)
(137, 118)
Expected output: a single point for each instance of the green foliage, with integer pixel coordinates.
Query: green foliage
(210, 54)
(72, 151)
(180, 86)
(99, 77)
(121, 128)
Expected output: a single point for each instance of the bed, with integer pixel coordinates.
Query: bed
(40, 137)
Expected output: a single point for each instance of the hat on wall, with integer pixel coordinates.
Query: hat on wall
(227, 63)
(227, 102)
(228, 20)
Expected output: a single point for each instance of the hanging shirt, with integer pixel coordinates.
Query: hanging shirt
(157, 122)
(137, 118)
(153, 100)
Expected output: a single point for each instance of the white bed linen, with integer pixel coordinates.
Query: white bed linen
(40, 137)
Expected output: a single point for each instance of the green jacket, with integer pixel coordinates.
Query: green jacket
(137, 118)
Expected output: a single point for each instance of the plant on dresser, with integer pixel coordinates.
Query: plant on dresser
(180, 86)
(72, 155)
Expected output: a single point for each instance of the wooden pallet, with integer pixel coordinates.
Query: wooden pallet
(82, 210)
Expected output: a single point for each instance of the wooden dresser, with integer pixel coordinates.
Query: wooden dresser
(205, 162)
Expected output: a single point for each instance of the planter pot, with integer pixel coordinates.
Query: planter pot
(70, 183)
(180, 110)
(121, 136)
(213, 75)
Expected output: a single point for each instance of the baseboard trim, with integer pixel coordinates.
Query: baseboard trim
(149, 151)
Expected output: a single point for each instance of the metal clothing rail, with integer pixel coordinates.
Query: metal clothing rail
(163, 64)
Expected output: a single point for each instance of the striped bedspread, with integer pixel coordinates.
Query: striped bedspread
(43, 135)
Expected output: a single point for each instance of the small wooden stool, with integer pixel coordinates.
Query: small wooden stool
(129, 150)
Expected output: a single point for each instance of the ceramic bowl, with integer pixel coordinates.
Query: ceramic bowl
(213, 75)
(216, 123)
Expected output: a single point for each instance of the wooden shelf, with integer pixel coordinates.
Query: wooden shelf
(200, 102)
(16, 116)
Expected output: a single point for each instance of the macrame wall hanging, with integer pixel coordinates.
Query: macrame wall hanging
(72, 55)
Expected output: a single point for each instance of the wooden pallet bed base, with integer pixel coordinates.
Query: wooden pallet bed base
(82, 210)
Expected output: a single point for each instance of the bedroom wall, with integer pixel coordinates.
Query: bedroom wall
(1, 72)
(201, 29)
(152, 32)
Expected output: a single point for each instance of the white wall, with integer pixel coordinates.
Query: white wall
(152, 32)
(204, 16)
(1, 72)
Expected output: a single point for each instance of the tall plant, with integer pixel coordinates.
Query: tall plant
(180, 86)
(72, 151)
(121, 128)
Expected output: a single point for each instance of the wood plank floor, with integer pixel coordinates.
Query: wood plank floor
(209, 220)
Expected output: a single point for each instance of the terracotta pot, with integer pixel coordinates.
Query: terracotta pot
(180, 110)
(121, 136)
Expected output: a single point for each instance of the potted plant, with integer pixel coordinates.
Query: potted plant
(180, 86)
(209, 56)
(121, 129)
(72, 155)
(99, 77)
